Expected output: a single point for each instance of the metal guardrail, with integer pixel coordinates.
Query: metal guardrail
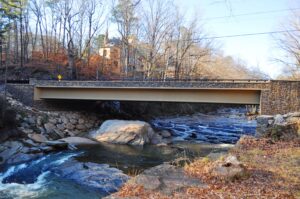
(165, 80)
(148, 80)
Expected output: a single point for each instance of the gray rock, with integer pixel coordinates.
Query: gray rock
(264, 119)
(156, 139)
(89, 125)
(27, 131)
(59, 120)
(77, 141)
(69, 133)
(57, 144)
(295, 114)
(167, 179)
(148, 181)
(42, 130)
(12, 148)
(38, 138)
(281, 129)
(270, 122)
(53, 121)
(31, 120)
(81, 121)
(39, 121)
(65, 120)
(60, 127)
(46, 149)
(216, 155)
(25, 125)
(49, 127)
(99, 177)
(165, 134)
(59, 134)
(228, 169)
(21, 157)
(80, 127)
(2, 148)
(70, 126)
(73, 121)
(278, 119)
(124, 132)
(29, 143)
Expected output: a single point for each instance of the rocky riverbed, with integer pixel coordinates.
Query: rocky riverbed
(54, 156)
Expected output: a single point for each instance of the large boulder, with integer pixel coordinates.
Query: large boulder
(167, 179)
(78, 141)
(99, 177)
(124, 132)
(279, 127)
(228, 169)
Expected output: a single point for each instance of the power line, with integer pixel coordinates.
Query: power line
(252, 13)
(245, 35)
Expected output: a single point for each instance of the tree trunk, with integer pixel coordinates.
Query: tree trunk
(16, 53)
(21, 38)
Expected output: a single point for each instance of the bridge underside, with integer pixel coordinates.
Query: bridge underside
(223, 96)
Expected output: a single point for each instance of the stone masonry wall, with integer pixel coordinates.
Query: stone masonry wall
(55, 124)
(283, 97)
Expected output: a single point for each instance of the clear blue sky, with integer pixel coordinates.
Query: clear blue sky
(254, 50)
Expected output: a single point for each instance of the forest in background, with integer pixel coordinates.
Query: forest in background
(44, 38)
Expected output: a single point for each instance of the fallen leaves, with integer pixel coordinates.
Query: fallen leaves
(273, 167)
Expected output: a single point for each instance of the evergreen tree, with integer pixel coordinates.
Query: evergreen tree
(7, 13)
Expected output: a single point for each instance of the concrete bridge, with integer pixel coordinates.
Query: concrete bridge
(274, 97)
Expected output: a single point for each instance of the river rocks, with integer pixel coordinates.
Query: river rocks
(96, 176)
(279, 127)
(124, 132)
(14, 152)
(58, 144)
(38, 138)
(278, 119)
(70, 126)
(167, 179)
(228, 169)
(156, 139)
(165, 134)
(55, 124)
(77, 141)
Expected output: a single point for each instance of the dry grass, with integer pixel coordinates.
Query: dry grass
(131, 191)
(274, 172)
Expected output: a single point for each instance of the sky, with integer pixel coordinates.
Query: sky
(256, 51)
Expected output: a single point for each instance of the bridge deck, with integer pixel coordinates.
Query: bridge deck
(203, 92)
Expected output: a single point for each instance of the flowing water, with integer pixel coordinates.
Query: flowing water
(225, 126)
(94, 172)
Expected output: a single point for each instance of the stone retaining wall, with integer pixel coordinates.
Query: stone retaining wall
(283, 97)
(55, 124)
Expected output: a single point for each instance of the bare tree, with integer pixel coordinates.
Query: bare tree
(124, 15)
(156, 25)
(289, 43)
(189, 45)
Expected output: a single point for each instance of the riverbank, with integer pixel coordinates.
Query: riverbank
(53, 150)
(271, 171)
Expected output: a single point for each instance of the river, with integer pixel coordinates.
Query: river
(97, 171)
